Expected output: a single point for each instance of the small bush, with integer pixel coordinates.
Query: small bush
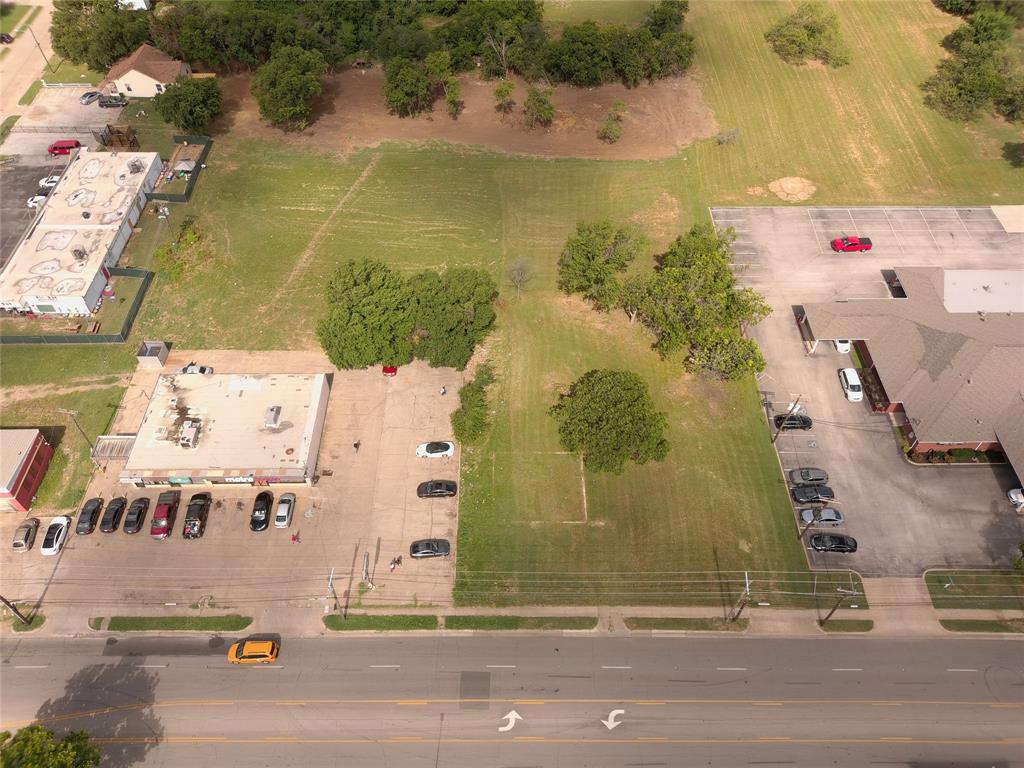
(538, 108)
(471, 421)
(964, 454)
(175, 258)
(610, 129)
(812, 32)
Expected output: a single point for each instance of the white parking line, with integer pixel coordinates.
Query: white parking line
(153, 666)
(385, 666)
(731, 669)
(501, 666)
(961, 670)
(607, 667)
(31, 666)
(847, 669)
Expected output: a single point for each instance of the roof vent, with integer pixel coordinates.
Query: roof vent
(86, 214)
(80, 254)
(272, 417)
(189, 436)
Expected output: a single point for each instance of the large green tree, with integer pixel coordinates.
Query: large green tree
(609, 418)
(190, 104)
(37, 747)
(369, 317)
(407, 88)
(592, 258)
(96, 32)
(286, 85)
(810, 32)
(454, 312)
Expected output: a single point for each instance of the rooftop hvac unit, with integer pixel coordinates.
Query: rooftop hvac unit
(272, 417)
(189, 436)
(79, 254)
(135, 166)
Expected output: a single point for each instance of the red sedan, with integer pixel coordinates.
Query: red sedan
(851, 244)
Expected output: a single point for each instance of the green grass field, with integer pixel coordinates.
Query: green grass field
(59, 70)
(371, 623)
(10, 15)
(993, 590)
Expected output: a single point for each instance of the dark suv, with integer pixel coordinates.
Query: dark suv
(88, 516)
(110, 102)
(793, 421)
(136, 516)
(112, 516)
(810, 494)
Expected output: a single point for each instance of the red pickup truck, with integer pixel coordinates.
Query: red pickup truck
(163, 515)
(851, 243)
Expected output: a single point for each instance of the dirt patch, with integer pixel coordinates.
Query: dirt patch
(9, 395)
(792, 188)
(661, 118)
(661, 220)
(757, 191)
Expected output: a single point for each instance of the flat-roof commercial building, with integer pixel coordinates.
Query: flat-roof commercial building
(949, 355)
(246, 429)
(24, 458)
(60, 265)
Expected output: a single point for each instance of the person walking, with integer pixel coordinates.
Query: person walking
(444, 391)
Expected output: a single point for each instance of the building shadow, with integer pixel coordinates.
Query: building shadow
(109, 701)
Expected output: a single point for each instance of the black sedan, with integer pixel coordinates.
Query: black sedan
(112, 515)
(833, 542)
(433, 489)
(430, 548)
(88, 516)
(786, 422)
(260, 518)
(136, 516)
(810, 494)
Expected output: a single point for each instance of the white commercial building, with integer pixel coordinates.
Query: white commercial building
(60, 266)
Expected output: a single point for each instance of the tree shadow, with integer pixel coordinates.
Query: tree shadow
(119, 698)
(1013, 153)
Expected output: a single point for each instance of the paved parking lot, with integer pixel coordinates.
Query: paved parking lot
(55, 114)
(18, 182)
(905, 518)
(364, 502)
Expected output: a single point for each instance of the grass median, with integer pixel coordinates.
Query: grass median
(35, 620)
(230, 623)
(989, 590)
(679, 623)
(983, 625)
(500, 623)
(369, 623)
(847, 625)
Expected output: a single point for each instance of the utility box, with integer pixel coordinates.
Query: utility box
(152, 354)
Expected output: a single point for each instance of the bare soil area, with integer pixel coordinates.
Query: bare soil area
(661, 118)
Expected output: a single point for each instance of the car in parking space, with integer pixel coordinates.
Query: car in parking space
(789, 421)
(811, 494)
(851, 244)
(1016, 497)
(253, 652)
(430, 548)
(433, 489)
(111, 102)
(136, 516)
(49, 182)
(25, 534)
(260, 517)
(849, 380)
(196, 514)
(823, 516)
(56, 535)
(283, 516)
(833, 542)
(842, 346)
(808, 476)
(35, 201)
(89, 97)
(435, 450)
(164, 513)
(88, 516)
(112, 514)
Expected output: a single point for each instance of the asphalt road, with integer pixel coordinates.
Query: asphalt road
(440, 701)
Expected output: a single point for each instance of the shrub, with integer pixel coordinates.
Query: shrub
(964, 454)
(471, 421)
(407, 89)
(538, 107)
(610, 129)
(286, 85)
(812, 32)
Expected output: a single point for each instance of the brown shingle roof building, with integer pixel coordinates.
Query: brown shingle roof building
(146, 71)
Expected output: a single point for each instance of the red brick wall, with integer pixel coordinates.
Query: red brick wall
(32, 473)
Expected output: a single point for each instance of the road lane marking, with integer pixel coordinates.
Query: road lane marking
(731, 669)
(954, 669)
(152, 666)
(652, 738)
(614, 667)
(522, 702)
(896, 738)
(650, 703)
(774, 738)
(885, 704)
(406, 738)
(767, 703)
(385, 666)
(501, 666)
(847, 669)
(529, 738)
(31, 666)
(412, 703)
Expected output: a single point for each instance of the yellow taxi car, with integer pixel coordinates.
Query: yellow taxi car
(253, 652)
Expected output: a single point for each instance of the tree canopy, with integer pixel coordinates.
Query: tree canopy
(592, 258)
(286, 85)
(454, 311)
(407, 89)
(190, 104)
(609, 418)
(37, 747)
(811, 32)
(96, 32)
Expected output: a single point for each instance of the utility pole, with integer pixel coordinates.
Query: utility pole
(46, 61)
(74, 418)
(744, 598)
(845, 593)
(790, 412)
(14, 609)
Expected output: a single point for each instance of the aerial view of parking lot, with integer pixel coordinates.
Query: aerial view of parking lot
(358, 342)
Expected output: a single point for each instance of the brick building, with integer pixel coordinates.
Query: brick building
(24, 458)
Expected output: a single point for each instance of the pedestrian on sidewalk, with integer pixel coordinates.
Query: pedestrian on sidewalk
(444, 391)
(356, 445)
(295, 538)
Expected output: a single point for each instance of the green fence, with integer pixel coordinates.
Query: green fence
(99, 338)
(183, 197)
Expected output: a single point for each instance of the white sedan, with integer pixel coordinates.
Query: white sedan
(36, 200)
(49, 182)
(435, 450)
(56, 535)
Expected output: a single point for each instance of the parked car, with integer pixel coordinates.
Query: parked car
(56, 536)
(110, 102)
(283, 516)
(430, 548)
(435, 450)
(436, 488)
(164, 513)
(6, 38)
(25, 534)
(1016, 497)
(389, 370)
(808, 476)
(851, 244)
(823, 516)
(89, 97)
(260, 517)
(205, 370)
(136, 516)
(49, 182)
(35, 201)
(253, 652)
(786, 422)
(196, 513)
(850, 382)
(112, 514)
(833, 542)
(810, 494)
(88, 516)
(63, 147)
(842, 346)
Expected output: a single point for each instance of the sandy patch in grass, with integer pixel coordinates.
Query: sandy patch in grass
(757, 191)
(660, 220)
(792, 189)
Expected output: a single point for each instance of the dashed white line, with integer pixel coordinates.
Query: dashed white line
(731, 669)
(153, 666)
(614, 667)
(31, 666)
(847, 669)
(385, 666)
(961, 670)
(501, 666)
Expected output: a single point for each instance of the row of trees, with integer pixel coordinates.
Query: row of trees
(690, 301)
(376, 316)
(982, 74)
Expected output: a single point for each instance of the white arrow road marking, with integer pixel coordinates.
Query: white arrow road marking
(511, 717)
(611, 723)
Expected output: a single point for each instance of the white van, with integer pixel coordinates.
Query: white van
(852, 387)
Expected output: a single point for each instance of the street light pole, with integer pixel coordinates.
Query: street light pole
(74, 418)
(790, 412)
(14, 609)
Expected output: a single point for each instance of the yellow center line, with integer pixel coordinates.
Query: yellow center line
(896, 738)
(767, 703)
(406, 738)
(412, 703)
(885, 704)
(528, 702)
(530, 738)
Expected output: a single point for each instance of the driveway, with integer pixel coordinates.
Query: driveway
(24, 61)
(905, 518)
(56, 114)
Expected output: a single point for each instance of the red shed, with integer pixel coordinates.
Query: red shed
(24, 457)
